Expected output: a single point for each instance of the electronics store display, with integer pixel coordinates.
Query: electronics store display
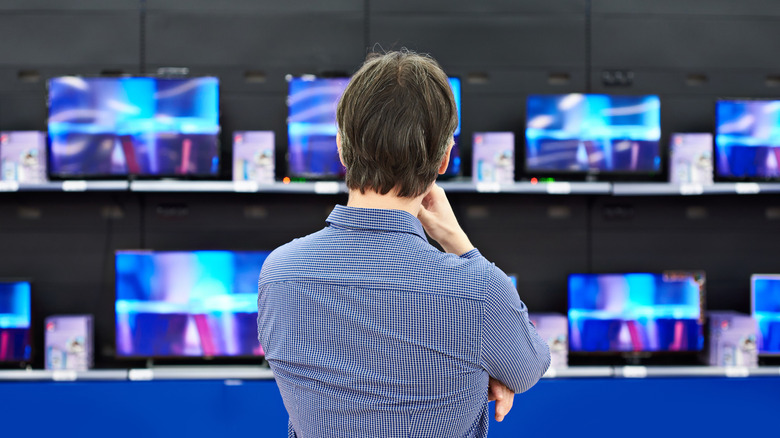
(23, 156)
(133, 126)
(765, 303)
(690, 158)
(311, 128)
(253, 156)
(187, 303)
(493, 157)
(69, 342)
(592, 134)
(636, 312)
(15, 322)
(747, 140)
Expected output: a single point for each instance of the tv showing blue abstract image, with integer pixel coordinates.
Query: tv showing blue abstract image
(311, 127)
(636, 312)
(139, 126)
(765, 291)
(187, 303)
(747, 139)
(593, 133)
(15, 317)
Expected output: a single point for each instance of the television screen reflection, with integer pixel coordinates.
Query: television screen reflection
(766, 311)
(747, 139)
(187, 304)
(15, 315)
(638, 312)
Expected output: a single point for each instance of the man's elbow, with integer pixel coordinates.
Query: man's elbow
(535, 368)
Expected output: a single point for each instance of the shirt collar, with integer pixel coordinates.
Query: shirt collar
(376, 219)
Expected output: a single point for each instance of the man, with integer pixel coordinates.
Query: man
(371, 331)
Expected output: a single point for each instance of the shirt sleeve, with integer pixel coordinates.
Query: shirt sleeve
(512, 351)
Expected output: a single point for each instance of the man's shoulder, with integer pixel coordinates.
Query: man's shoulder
(278, 261)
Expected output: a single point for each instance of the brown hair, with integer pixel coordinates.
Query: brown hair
(396, 119)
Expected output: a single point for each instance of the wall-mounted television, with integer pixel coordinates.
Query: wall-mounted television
(581, 135)
(15, 322)
(747, 140)
(185, 304)
(133, 127)
(765, 308)
(312, 153)
(634, 313)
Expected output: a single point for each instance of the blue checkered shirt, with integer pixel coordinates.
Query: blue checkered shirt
(372, 332)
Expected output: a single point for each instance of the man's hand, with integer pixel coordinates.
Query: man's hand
(503, 396)
(440, 223)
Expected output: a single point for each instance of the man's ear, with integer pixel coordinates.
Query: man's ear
(445, 161)
(338, 146)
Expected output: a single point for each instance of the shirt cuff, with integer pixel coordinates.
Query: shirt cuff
(471, 254)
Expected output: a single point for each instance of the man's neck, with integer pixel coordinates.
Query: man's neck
(372, 199)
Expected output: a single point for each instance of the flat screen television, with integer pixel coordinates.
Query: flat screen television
(187, 304)
(15, 322)
(23, 156)
(593, 135)
(312, 153)
(133, 127)
(747, 140)
(765, 308)
(636, 314)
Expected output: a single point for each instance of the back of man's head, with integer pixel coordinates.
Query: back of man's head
(396, 120)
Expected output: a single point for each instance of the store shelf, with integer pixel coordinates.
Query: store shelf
(666, 189)
(62, 375)
(65, 186)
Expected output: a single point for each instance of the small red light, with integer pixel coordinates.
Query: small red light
(534, 180)
(286, 180)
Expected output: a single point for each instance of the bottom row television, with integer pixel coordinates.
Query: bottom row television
(202, 304)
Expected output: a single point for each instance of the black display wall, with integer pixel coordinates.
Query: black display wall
(688, 51)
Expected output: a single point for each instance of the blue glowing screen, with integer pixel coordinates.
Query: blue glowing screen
(133, 126)
(593, 133)
(15, 316)
(747, 139)
(635, 312)
(311, 127)
(187, 303)
(766, 310)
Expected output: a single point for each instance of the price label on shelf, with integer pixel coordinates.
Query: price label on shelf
(551, 373)
(559, 188)
(245, 186)
(737, 372)
(9, 186)
(74, 186)
(747, 188)
(488, 187)
(140, 374)
(635, 372)
(326, 187)
(691, 189)
(64, 375)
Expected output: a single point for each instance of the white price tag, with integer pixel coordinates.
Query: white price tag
(559, 188)
(488, 187)
(140, 374)
(691, 189)
(9, 186)
(64, 375)
(245, 186)
(74, 186)
(635, 372)
(326, 187)
(747, 188)
(551, 373)
(737, 372)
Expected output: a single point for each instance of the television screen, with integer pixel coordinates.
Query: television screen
(493, 157)
(747, 139)
(140, 126)
(187, 303)
(637, 312)
(593, 133)
(765, 291)
(15, 316)
(690, 158)
(23, 156)
(311, 127)
(253, 156)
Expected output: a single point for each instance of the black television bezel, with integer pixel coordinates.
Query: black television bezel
(663, 357)
(593, 175)
(24, 363)
(717, 177)
(178, 360)
(763, 356)
(130, 176)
